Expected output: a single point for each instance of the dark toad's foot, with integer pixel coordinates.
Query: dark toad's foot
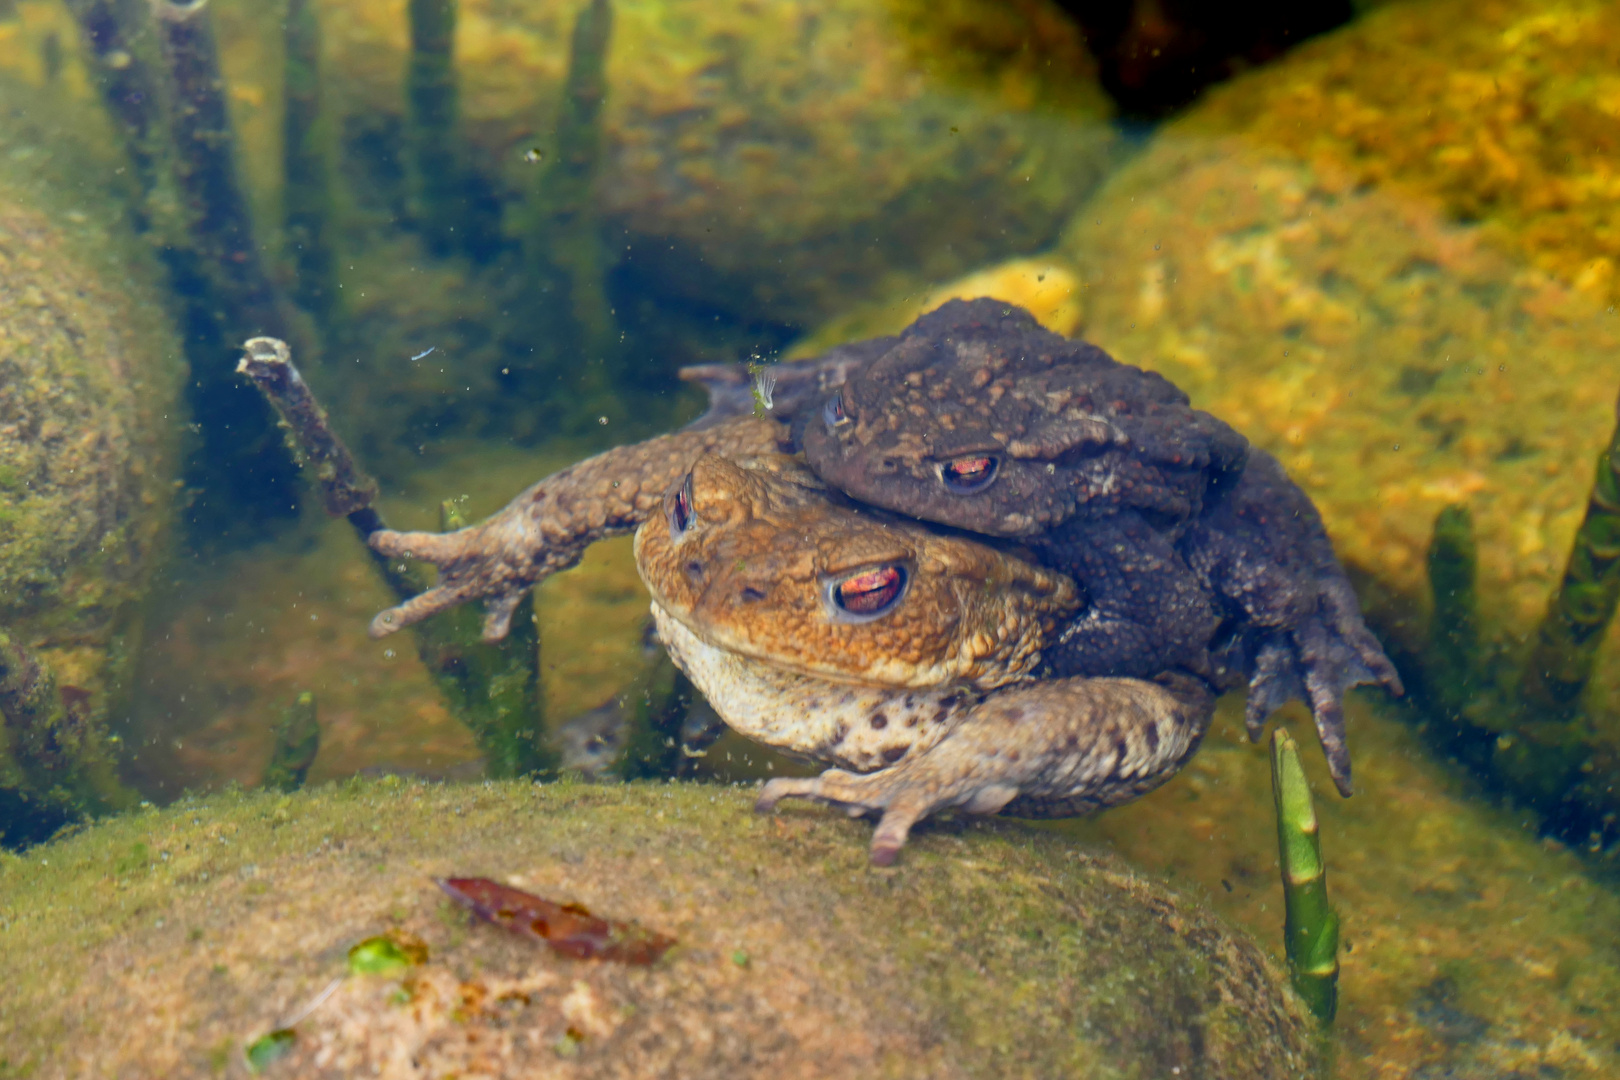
(1299, 633)
(1056, 748)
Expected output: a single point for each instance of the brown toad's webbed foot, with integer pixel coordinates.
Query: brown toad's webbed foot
(548, 527)
(1067, 746)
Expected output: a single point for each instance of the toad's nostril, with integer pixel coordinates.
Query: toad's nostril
(751, 594)
(694, 569)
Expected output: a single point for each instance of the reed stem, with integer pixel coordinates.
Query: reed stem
(298, 740)
(1310, 925)
(307, 192)
(1567, 641)
(433, 97)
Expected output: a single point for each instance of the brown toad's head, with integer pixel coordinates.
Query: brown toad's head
(756, 558)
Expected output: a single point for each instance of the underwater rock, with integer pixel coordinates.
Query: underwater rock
(1380, 260)
(1047, 288)
(190, 934)
(89, 374)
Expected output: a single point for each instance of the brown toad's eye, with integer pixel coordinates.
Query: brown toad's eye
(678, 506)
(869, 593)
(966, 475)
(833, 412)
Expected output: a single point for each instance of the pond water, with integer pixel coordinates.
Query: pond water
(1376, 240)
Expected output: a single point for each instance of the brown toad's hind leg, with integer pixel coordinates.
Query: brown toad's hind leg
(548, 527)
(1066, 746)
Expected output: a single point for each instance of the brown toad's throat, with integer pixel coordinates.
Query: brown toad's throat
(856, 726)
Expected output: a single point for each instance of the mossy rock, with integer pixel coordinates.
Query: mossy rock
(1296, 253)
(167, 941)
(89, 380)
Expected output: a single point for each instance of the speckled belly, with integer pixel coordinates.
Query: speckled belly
(852, 725)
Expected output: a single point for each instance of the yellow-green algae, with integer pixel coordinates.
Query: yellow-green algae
(166, 941)
(89, 374)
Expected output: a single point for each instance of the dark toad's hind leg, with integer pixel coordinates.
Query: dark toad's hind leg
(1299, 627)
(1066, 746)
(1146, 611)
(548, 527)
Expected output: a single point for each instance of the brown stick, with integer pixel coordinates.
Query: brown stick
(346, 489)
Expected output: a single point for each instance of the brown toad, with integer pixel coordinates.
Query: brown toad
(904, 656)
(1193, 550)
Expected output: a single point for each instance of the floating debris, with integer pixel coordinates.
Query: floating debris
(570, 929)
(763, 382)
(534, 155)
(382, 955)
(272, 1047)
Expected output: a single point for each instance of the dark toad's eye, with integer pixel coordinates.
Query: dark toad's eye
(868, 594)
(833, 412)
(678, 508)
(967, 475)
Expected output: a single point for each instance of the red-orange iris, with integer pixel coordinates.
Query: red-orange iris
(872, 591)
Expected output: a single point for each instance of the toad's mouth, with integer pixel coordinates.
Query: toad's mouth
(880, 671)
(855, 725)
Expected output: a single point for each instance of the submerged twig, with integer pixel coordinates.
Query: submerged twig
(1310, 925)
(493, 688)
(345, 488)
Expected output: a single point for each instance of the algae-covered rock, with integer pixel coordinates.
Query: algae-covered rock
(773, 160)
(1365, 257)
(89, 373)
(167, 942)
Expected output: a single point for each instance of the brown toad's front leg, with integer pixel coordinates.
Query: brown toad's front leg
(548, 527)
(1044, 749)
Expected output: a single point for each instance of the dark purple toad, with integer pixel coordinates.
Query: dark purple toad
(1194, 549)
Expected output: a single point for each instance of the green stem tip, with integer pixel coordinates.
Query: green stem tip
(1310, 925)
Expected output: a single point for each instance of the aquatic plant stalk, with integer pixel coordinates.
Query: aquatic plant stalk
(432, 94)
(566, 252)
(307, 191)
(130, 91)
(1310, 925)
(220, 225)
(298, 740)
(1566, 642)
(54, 764)
(1454, 627)
(493, 688)
(239, 465)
